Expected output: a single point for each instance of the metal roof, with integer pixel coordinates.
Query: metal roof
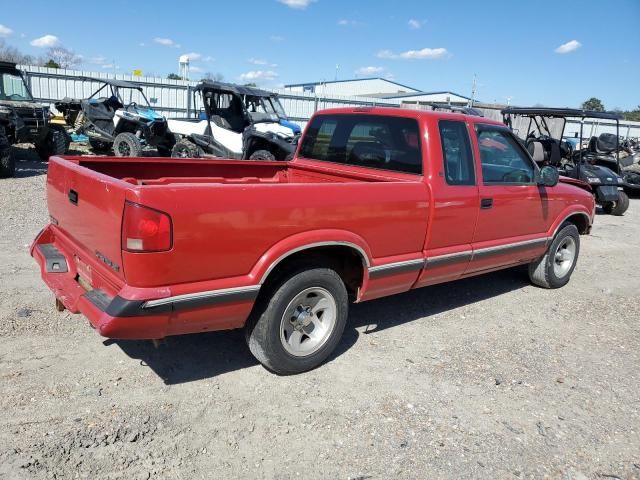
(113, 82)
(561, 112)
(232, 88)
(350, 80)
(421, 94)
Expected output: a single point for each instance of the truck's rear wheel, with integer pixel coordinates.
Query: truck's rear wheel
(262, 155)
(7, 162)
(186, 149)
(555, 267)
(127, 145)
(617, 208)
(297, 323)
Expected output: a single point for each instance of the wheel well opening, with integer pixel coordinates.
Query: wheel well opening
(580, 221)
(345, 261)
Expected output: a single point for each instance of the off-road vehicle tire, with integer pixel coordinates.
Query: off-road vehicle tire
(554, 268)
(126, 144)
(617, 208)
(53, 143)
(7, 161)
(262, 155)
(186, 149)
(98, 146)
(280, 329)
(64, 133)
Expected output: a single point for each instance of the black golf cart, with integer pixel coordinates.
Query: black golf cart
(118, 116)
(237, 122)
(597, 162)
(22, 120)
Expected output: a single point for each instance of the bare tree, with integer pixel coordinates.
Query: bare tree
(12, 54)
(214, 77)
(63, 57)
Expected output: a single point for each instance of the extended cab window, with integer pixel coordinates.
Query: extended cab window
(373, 141)
(456, 152)
(503, 159)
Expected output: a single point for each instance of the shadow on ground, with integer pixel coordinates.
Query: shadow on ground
(188, 358)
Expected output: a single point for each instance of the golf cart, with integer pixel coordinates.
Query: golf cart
(236, 122)
(118, 116)
(22, 120)
(595, 163)
(455, 109)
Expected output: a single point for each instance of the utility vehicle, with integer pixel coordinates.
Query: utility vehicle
(23, 120)
(598, 163)
(236, 122)
(376, 201)
(117, 116)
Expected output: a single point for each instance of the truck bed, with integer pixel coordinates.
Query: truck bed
(158, 171)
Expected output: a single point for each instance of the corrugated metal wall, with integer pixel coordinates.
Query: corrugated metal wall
(173, 98)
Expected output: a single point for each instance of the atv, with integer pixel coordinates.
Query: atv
(236, 122)
(117, 116)
(596, 164)
(22, 120)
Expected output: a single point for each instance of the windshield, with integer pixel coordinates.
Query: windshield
(131, 95)
(14, 88)
(264, 105)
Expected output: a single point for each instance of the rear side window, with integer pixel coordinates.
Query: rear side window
(373, 141)
(456, 152)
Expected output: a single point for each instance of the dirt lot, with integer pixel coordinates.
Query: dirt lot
(483, 378)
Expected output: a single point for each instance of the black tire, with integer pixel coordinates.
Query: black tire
(186, 149)
(53, 143)
(263, 330)
(262, 155)
(7, 162)
(61, 131)
(617, 208)
(164, 151)
(99, 146)
(127, 145)
(542, 271)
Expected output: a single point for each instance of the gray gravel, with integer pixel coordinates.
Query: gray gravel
(483, 378)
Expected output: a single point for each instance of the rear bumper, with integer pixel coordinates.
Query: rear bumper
(124, 312)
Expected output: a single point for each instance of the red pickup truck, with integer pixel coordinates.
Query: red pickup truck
(376, 201)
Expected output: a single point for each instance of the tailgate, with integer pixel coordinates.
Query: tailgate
(88, 206)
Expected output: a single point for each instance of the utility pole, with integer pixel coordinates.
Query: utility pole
(473, 89)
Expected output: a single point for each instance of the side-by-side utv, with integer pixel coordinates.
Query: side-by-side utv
(597, 162)
(23, 120)
(117, 116)
(236, 122)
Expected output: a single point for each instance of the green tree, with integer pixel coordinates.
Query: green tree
(51, 64)
(174, 76)
(594, 104)
(633, 115)
(251, 84)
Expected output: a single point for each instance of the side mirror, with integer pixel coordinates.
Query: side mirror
(548, 176)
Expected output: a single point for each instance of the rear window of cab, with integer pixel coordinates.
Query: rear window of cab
(371, 141)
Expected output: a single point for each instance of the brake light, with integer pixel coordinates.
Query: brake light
(145, 229)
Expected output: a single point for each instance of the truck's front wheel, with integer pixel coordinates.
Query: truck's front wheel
(7, 162)
(555, 267)
(297, 323)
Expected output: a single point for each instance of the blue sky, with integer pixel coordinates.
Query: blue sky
(556, 53)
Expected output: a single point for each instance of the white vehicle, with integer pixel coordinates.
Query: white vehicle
(236, 122)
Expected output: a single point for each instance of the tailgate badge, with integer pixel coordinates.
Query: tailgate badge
(114, 266)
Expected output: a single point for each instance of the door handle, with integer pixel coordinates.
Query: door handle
(486, 203)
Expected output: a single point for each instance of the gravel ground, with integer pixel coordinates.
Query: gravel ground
(482, 378)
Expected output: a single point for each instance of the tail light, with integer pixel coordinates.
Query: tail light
(145, 229)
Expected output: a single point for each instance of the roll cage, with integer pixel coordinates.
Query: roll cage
(539, 115)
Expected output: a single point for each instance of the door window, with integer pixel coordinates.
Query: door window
(456, 153)
(503, 158)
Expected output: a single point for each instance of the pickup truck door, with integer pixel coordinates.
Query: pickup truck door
(453, 181)
(514, 211)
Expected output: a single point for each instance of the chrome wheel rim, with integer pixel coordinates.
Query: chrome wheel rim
(564, 257)
(308, 321)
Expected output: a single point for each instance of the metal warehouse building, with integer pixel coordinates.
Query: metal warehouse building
(377, 87)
